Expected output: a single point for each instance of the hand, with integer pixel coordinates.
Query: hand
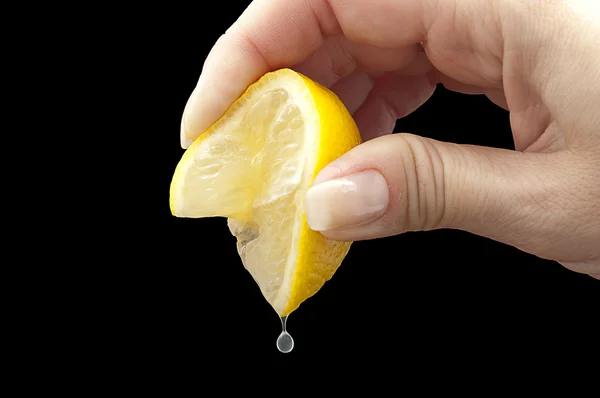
(537, 59)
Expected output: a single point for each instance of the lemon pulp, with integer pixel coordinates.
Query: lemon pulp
(254, 166)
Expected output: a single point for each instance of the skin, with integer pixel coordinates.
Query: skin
(537, 59)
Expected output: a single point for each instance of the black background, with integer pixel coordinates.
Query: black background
(430, 301)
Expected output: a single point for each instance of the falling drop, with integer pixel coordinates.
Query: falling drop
(285, 342)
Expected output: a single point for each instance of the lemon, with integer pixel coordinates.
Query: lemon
(254, 166)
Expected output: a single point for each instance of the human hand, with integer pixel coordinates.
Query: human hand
(537, 59)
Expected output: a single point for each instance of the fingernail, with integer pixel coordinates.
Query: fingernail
(190, 119)
(183, 138)
(348, 201)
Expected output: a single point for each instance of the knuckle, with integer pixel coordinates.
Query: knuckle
(424, 174)
(341, 61)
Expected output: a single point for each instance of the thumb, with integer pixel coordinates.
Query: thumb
(402, 182)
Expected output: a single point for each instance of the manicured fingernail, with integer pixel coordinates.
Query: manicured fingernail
(183, 138)
(191, 120)
(347, 201)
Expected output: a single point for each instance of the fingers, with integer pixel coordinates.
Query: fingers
(403, 182)
(349, 69)
(268, 35)
(496, 95)
(464, 40)
(274, 34)
(336, 60)
(354, 89)
(339, 57)
(393, 96)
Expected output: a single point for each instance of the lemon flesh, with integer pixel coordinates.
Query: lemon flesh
(254, 166)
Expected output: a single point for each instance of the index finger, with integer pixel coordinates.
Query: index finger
(267, 36)
(272, 34)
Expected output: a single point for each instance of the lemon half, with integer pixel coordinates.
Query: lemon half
(254, 166)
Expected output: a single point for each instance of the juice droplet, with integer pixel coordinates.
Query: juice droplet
(285, 342)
